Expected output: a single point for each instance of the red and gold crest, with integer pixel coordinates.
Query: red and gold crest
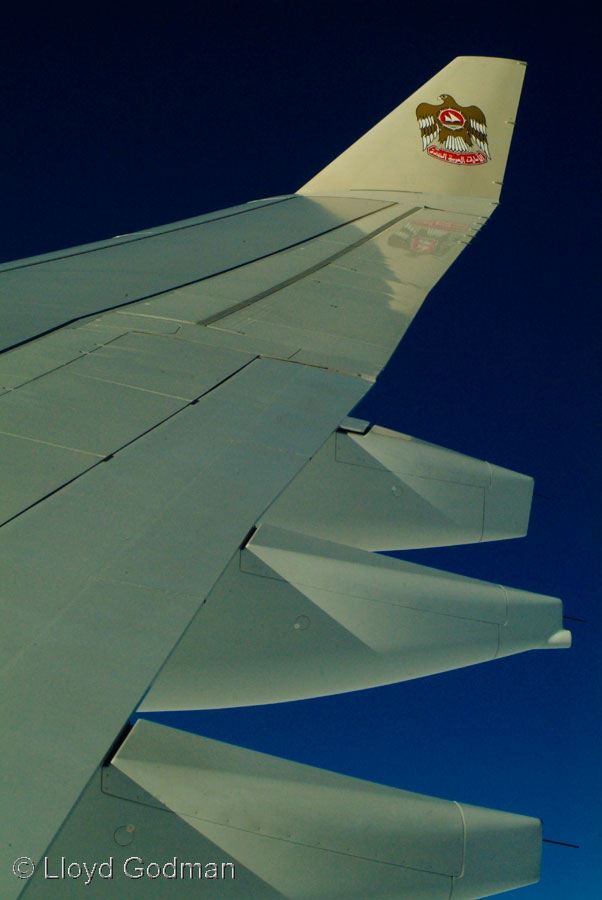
(453, 133)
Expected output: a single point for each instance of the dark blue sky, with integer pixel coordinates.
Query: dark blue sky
(116, 122)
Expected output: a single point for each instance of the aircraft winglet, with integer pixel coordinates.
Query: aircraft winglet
(451, 136)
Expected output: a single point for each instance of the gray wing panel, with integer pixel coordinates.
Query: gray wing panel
(100, 579)
(37, 296)
(54, 427)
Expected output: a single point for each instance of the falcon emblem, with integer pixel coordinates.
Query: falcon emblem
(453, 133)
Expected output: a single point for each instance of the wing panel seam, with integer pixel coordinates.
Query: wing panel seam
(174, 287)
(310, 271)
(109, 456)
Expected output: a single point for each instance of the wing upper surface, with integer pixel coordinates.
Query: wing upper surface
(99, 580)
(46, 292)
(340, 300)
(168, 388)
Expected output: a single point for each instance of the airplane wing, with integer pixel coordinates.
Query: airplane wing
(189, 515)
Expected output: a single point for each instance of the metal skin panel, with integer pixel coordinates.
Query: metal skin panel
(115, 564)
(321, 618)
(125, 321)
(56, 426)
(37, 297)
(214, 338)
(83, 413)
(216, 296)
(160, 364)
(51, 352)
(30, 470)
(387, 491)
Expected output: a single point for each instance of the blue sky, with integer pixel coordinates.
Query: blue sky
(114, 125)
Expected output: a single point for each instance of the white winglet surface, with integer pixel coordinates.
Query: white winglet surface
(451, 136)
